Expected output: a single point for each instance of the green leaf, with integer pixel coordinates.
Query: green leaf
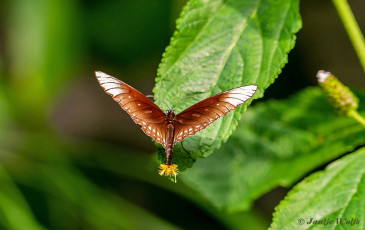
(337, 193)
(219, 45)
(277, 143)
(14, 210)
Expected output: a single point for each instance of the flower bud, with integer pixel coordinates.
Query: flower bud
(337, 93)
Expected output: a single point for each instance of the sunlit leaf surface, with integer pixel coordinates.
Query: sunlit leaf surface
(219, 45)
(335, 194)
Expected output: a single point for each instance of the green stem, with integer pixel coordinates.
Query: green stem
(354, 114)
(352, 28)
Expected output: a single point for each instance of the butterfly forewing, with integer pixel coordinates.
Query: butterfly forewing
(204, 113)
(142, 110)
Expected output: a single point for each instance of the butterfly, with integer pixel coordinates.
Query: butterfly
(169, 128)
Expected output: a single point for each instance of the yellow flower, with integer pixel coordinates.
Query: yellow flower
(168, 170)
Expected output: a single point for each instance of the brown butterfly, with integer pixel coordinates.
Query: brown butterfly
(167, 129)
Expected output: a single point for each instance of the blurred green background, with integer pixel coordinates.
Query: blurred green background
(71, 158)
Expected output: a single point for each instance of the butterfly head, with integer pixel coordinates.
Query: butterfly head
(170, 111)
(170, 114)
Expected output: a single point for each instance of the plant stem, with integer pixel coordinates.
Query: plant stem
(354, 114)
(352, 28)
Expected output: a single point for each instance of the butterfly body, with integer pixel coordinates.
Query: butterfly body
(169, 128)
(170, 131)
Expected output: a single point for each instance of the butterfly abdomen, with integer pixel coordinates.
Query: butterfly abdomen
(170, 129)
(170, 133)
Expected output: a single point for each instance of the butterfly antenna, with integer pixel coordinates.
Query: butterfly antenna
(150, 96)
(185, 149)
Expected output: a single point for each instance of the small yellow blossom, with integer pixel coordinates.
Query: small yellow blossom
(169, 170)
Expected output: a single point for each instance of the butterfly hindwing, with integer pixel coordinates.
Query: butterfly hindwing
(157, 131)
